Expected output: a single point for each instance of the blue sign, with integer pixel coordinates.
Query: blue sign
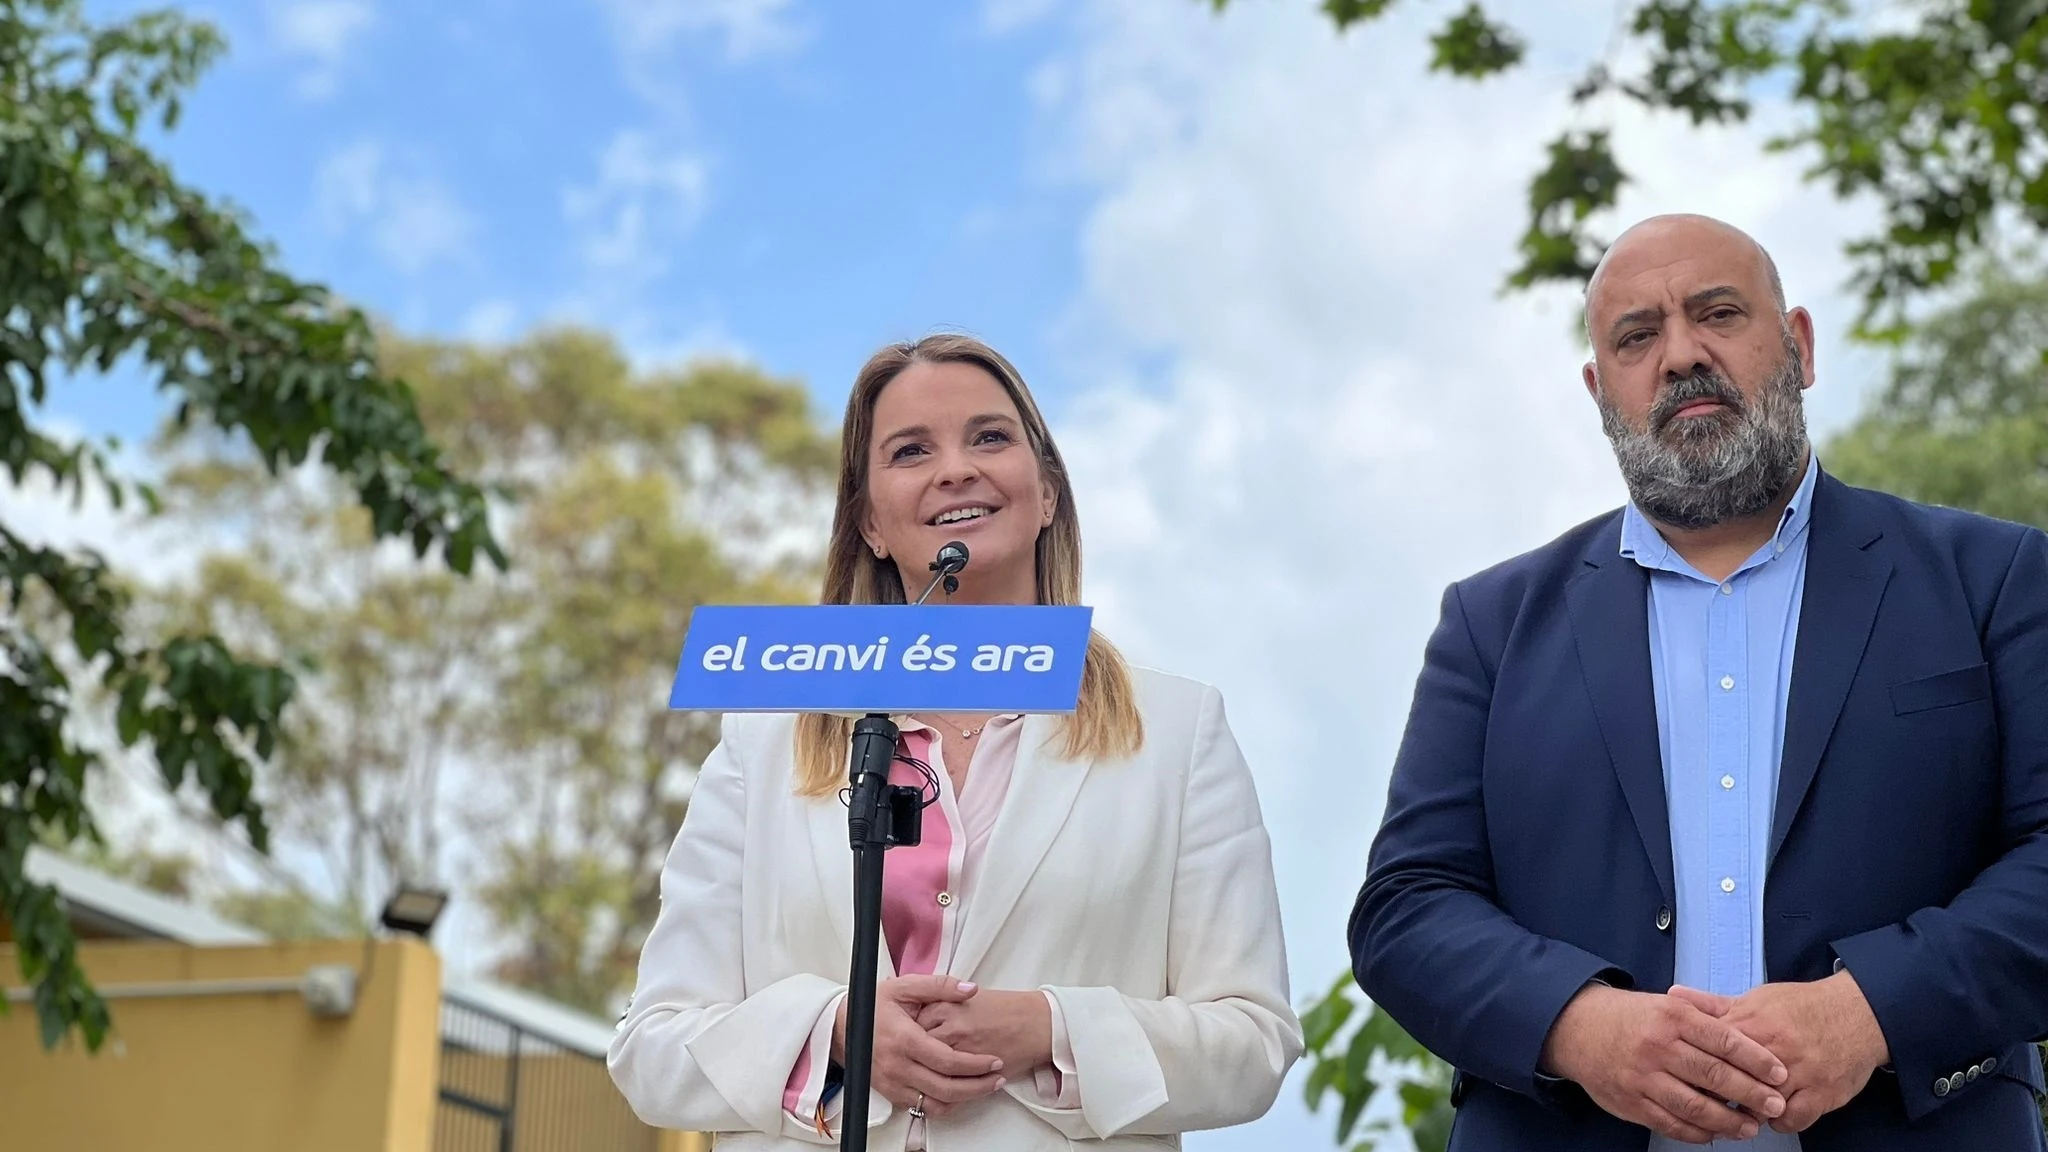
(890, 658)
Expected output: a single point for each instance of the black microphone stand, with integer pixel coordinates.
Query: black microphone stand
(879, 816)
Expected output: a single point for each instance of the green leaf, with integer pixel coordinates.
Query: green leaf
(1321, 1022)
(1356, 1087)
(1472, 46)
(34, 220)
(1431, 1130)
(1418, 1098)
(1323, 1075)
(1581, 179)
(1345, 13)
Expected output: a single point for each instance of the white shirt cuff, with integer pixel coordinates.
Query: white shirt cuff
(819, 1049)
(1059, 1086)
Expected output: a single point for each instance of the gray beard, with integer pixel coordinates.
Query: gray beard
(1713, 469)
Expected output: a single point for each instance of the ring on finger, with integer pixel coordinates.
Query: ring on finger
(917, 1109)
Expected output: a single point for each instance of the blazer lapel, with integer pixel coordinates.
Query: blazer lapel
(1610, 609)
(1844, 584)
(1042, 791)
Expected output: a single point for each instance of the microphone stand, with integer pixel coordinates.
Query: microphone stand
(879, 816)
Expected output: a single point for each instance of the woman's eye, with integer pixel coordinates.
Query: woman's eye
(905, 450)
(999, 434)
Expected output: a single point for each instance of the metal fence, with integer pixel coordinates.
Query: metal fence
(507, 1089)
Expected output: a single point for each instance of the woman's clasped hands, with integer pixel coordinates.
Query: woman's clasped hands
(942, 1042)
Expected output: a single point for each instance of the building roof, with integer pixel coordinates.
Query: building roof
(119, 908)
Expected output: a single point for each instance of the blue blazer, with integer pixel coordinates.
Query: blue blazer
(1525, 848)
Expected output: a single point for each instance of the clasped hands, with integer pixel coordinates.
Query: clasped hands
(949, 1041)
(1696, 1066)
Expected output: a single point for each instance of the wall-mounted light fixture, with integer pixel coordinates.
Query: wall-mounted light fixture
(413, 910)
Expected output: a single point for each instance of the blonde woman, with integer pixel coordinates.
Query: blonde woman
(1085, 947)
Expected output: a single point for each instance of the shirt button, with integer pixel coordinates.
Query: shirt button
(1727, 682)
(1727, 884)
(945, 899)
(1727, 781)
(1727, 589)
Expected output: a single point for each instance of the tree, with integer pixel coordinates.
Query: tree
(105, 260)
(1937, 122)
(1963, 420)
(511, 729)
(1354, 1050)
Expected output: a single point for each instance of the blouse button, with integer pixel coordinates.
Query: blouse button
(945, 899)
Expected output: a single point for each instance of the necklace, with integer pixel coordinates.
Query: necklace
(969, 733)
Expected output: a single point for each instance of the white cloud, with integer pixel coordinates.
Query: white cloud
(748, 29)
(1312, 407)
(490, 321)
(629, 221)
(1000, 17)
(414, 220)
(651, 35)
(652, 348)
(319, 33)
(643, 198)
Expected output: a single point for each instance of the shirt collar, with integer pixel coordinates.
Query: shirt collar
(1643, 543)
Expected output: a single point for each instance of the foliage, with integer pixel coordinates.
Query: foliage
(1964, 419)
(285, 914)
(1939, 123)
(1355, 1050)
(107, 260)
(520, 717)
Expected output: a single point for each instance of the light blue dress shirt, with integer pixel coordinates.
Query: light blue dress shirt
(1721, 662)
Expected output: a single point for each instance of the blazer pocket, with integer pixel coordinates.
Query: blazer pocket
(1942, 690)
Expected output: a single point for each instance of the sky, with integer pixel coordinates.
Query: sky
(1251, 269)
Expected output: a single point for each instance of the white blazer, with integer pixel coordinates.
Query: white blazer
(1139, 893)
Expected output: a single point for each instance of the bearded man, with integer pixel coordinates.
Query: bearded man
(1724, 817)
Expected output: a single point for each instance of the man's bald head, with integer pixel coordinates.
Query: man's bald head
(1660, 239)
(1698, 369)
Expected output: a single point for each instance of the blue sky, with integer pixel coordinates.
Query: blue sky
(797, 195)
(1251, 268)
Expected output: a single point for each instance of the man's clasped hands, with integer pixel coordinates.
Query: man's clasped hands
(1696, 1066)
(941, 1042)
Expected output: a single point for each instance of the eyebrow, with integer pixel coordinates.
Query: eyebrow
(1696, 300)
(973, 422)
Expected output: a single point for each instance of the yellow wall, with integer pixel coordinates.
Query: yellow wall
(238, 1073)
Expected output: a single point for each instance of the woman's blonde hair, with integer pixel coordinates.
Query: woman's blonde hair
(1105, 722)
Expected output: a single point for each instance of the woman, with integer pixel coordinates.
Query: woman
(1085, 946)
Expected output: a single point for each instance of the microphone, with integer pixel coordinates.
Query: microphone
(951, 559)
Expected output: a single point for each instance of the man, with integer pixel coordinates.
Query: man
(1725, 815)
